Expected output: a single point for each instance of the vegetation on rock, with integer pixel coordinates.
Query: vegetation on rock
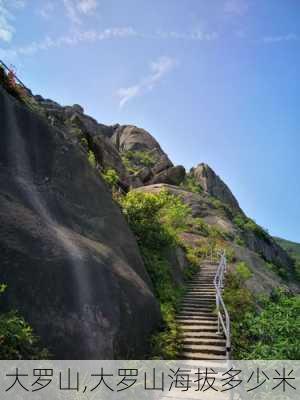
(17, 340)
(248, 225)
(265, 328)
(191, 185)
(134, 161)
(8, 81)
(111, 177)
(157, 220)
(293, 249)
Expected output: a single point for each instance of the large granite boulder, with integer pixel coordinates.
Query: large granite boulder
(70, 261)
(129, 137)
(171, 176)
(62, 116)
(201, 206)
(213, 185)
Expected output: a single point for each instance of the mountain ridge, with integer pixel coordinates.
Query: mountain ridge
(56, 167)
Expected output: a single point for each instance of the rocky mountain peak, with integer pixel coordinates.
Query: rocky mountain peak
(213, 185)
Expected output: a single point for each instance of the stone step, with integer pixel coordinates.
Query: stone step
(196, 302)
(202, 288)
(200, 299)
(199, 296)
(196, 311)
(187, 355)
(199, 292)
(203, 279)
(208, 349)
(196, 316)
(191, 285)
(203, 322)
(210, 306)
(203, 335)
(198, 328)
(203, 341)
(203, 297)
(199, 284)
(204, 285)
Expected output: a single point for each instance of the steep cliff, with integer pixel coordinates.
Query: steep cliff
(72, 265)
(71, 262)
(271, 265)
(213, 185)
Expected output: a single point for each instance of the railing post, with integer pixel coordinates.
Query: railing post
(222, 314)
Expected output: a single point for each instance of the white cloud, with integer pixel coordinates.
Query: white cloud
(283, 38)
(158, 70)
(47, 9)
(7, 29)
(236, 7)
(193, 35)
(87, 6)
(68, 40)
(75, 9)
(18, 3)
(126, 94)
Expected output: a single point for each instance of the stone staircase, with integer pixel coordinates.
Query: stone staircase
(197, 318)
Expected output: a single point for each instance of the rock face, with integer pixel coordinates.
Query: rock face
(71, 263)
(129, 137)
(213, 185)
(171, 176)
(60, 115)
(256, 251)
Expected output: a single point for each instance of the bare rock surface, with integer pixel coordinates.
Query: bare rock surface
(214, 185)
(70, 261)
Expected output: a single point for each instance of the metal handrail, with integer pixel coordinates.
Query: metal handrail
(15, 76)
(223, 316)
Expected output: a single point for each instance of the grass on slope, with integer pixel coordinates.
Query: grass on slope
(293, 249)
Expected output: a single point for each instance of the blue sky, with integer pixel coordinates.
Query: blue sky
(214, 81)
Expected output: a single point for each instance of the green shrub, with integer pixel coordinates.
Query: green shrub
(200, 227)
(92, 159)
(111, 177)
(8, 81)
(191, 185)
(219, 205)
(156, 220)
(84, 143)
(297, 269)
(166, 344)
(277, 269)
(262, 327)
(17, 340)
(273, 333)
(239, 221)
(248, 225)
(135, 160)
(239, 241)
